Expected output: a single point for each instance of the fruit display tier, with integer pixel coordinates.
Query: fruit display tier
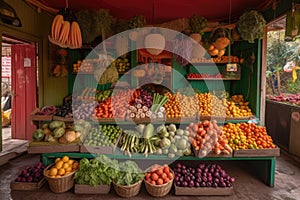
(264, 166)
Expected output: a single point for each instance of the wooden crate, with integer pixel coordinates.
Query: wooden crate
(203, 191)
(35, 117)
(96, 149)
(63, 119)
(179, 120)
(27, 186)
(52, 147)
(207, 117)
(88, 189)
(211, 154)
(256, 152)
(99, 149)
(107, 120)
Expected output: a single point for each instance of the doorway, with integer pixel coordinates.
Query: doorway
(19, 87)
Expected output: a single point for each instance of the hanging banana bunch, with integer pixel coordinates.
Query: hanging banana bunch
(65, 31)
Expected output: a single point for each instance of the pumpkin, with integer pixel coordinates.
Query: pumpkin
(155, 43)
(221, 43)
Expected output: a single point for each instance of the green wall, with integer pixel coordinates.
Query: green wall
(36, 27)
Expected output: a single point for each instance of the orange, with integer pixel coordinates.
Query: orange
(65, 158)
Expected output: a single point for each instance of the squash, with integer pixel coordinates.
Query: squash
(155, 43)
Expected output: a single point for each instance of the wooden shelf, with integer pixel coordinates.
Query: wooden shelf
(213, 79)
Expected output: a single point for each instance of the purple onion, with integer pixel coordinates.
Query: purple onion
(23, 179)
(176, 178)
(209, 179)
(204, 174)
(178, 183)
(198, 170)
(206, 170)
(29, 179)
(228, 184)
(222, 184)
(204, 179)
(215, 185)
(216, 175)
(184, 184)
(183, 167)
(209, 184)
(197, 184)
(198, 174)
(203, 184)
(181, 178)
(201, 166)
(191, 184)
(187, 178)
(232, 179)
(198, 180)
(216, 180)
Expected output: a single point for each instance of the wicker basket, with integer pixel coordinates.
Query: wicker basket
(59, 185)
(128, 191)
(159, 190)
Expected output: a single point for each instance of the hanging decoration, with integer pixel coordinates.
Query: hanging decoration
(65, 30)
(197, 24)
(219, 39)
(292, 29)
(250, 26)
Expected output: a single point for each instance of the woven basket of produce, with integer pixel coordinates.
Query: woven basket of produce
(128, 190)
(159, 180)
(60, 183)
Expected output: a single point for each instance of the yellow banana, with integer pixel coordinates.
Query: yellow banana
(73, 34)
(56, 26)
(64, 33)
(78, 35)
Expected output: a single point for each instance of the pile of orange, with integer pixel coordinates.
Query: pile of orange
(159, 175)
(62, 167)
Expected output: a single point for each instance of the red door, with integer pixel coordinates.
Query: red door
(23, 89)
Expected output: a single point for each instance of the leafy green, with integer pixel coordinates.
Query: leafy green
(129, 173)
(98, 171)
(250, 26)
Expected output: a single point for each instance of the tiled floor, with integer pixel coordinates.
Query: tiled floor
(247, 186)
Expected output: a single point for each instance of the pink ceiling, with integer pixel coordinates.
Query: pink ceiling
(157, 11)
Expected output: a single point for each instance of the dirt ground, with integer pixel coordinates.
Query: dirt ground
(247, 185)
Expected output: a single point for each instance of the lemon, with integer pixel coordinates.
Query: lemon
(65, 158)
(61, 172)
(57, 176)
(47, 172)
(53, 171)
(65, 165)
(75, 165)
(69, 169)
(57, 159)
(70, 162)
(67, 173)
(59, 164)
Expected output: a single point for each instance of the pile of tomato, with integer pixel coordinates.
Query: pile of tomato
(159, 175)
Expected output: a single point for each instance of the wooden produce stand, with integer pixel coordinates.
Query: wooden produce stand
(263, 160)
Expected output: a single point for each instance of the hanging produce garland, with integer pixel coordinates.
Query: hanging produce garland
(250, 26)
(219, 39)
(65, 31)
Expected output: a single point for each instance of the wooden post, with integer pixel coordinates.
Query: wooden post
(278, 82)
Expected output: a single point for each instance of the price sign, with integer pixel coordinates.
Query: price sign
(232, 67)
